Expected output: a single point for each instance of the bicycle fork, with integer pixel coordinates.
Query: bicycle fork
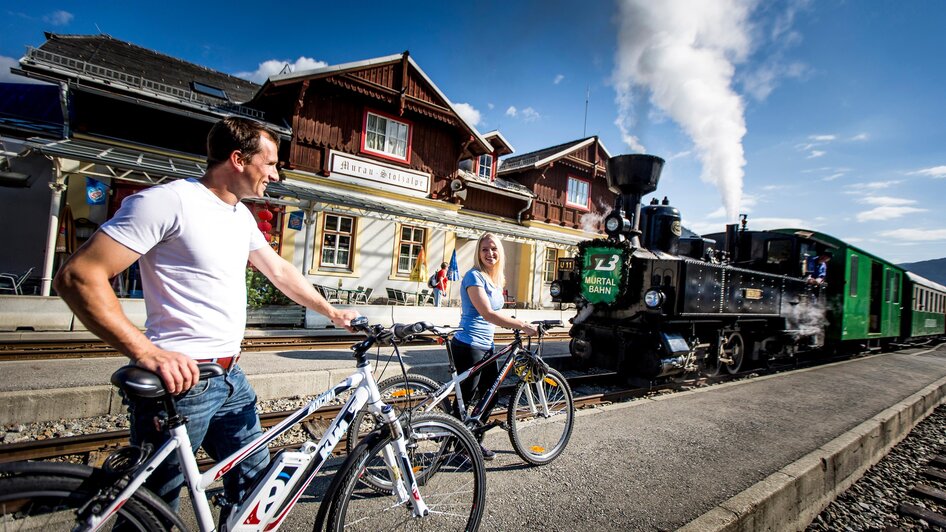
(397, 461)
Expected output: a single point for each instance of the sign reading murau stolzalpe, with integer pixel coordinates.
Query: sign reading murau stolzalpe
(601, 274)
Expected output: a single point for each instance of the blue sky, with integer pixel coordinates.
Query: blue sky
(827, 115)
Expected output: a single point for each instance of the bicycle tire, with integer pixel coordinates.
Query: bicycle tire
(401, 394)
(49, 502)
(538, 439)
(454, 487)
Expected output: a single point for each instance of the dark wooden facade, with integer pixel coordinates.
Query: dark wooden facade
(549, 182)
(328, 108)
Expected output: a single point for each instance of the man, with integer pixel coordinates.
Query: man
(192, 239)
(817, 267)
(441, 289)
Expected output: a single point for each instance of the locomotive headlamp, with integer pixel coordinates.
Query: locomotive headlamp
(653, 299)
(615, 224)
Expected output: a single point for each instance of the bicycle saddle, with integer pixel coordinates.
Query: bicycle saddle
(140, 382)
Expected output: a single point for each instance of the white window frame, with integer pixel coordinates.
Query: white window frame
(394, 137)
(551, 258)
(484, 166)
(574, 188)
(335, 229)
(414, 243)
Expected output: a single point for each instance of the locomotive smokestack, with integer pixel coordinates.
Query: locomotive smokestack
(633, 176)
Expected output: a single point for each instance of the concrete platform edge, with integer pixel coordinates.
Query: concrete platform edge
(792, 497)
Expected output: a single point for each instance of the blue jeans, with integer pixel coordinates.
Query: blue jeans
(221, 417)
(437, 295)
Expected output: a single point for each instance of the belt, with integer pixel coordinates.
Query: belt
(224, 362)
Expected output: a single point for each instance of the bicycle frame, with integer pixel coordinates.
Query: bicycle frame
(279, 487)
(480, 411)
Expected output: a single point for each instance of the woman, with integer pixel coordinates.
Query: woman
(481, 296)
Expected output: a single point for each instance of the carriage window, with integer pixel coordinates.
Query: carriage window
(896, 288)
(853, 279)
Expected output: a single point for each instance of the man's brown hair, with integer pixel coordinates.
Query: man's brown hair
(236, 133)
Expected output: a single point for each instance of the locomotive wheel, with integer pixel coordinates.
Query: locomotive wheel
(732, 353)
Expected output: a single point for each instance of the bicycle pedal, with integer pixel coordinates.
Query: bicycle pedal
(217, 497)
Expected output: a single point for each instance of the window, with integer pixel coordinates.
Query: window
(386, 137)
(895, 288)
(551, 262)
(485, 167)
(209, 90)
(337, 234)
(853, 275)
(412, 241)
(577, 195)
(778, 251)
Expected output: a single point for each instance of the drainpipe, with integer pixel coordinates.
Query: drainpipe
(309, 239)
(527, 207)
(58, 186)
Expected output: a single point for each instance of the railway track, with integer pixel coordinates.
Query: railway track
(50, 350)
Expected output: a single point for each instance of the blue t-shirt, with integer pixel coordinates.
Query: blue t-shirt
(475, 330)
(817, 269)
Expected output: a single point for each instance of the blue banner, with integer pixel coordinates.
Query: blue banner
(453, 272)
(295, 220)
(95, 191)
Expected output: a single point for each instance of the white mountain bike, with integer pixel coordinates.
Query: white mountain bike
(431, 464)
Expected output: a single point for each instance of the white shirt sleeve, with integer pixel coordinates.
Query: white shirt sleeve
(145, 219)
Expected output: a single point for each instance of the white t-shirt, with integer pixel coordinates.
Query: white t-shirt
(194, 248)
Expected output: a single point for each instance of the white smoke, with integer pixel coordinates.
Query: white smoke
(683, 54)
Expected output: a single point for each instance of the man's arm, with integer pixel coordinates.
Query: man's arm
(291, 282)
(83, 283)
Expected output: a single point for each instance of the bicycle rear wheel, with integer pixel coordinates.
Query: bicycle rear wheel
(453, 481)
(539, 435)
(49, 502)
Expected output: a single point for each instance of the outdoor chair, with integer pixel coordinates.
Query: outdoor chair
(330, 294)
(425, 297)
(363, 295)
(12, 283)
(392, 296)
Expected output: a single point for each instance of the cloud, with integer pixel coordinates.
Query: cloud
(886, 200)
(859, 137)
(490, 106)
(558, 79)
(275, 66)
(683, 55)
(822, 138)
(832, 177)
(913, 234)
(530, 115)
(468, 112)
(888, 212)
(760, 82)
(511, 111)
(936, 171)
(877, 185)
(58, 18)
(6, 63)
(815, 154)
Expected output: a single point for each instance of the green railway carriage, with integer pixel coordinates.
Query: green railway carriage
(924, 308)
(864, 291)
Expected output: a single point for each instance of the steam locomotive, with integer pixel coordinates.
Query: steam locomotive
(655, 300)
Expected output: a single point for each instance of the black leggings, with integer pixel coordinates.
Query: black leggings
(466, 356)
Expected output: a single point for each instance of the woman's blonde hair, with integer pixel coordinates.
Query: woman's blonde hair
(497, 275)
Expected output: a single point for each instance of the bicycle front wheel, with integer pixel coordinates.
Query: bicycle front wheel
(47, 502)
(452, 481)
(540, 418)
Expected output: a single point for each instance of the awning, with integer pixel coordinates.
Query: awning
(465, 225)
(118, 162)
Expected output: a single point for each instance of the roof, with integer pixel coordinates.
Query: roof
(498, 185)
(545, 156)
(505, 147)
(332, 70)
(923, 281)
(124, 66)
(832, 242)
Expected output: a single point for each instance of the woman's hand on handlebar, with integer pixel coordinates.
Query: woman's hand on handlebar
(528, 328)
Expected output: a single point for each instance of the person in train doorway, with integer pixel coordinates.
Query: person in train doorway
(481, 296)
(192, 238)
(817, 267)
(440, 285)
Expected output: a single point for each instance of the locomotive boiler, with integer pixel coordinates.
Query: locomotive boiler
(654, 300)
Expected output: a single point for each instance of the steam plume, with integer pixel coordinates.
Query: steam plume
(683, 54)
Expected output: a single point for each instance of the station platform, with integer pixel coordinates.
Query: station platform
(760, 454)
